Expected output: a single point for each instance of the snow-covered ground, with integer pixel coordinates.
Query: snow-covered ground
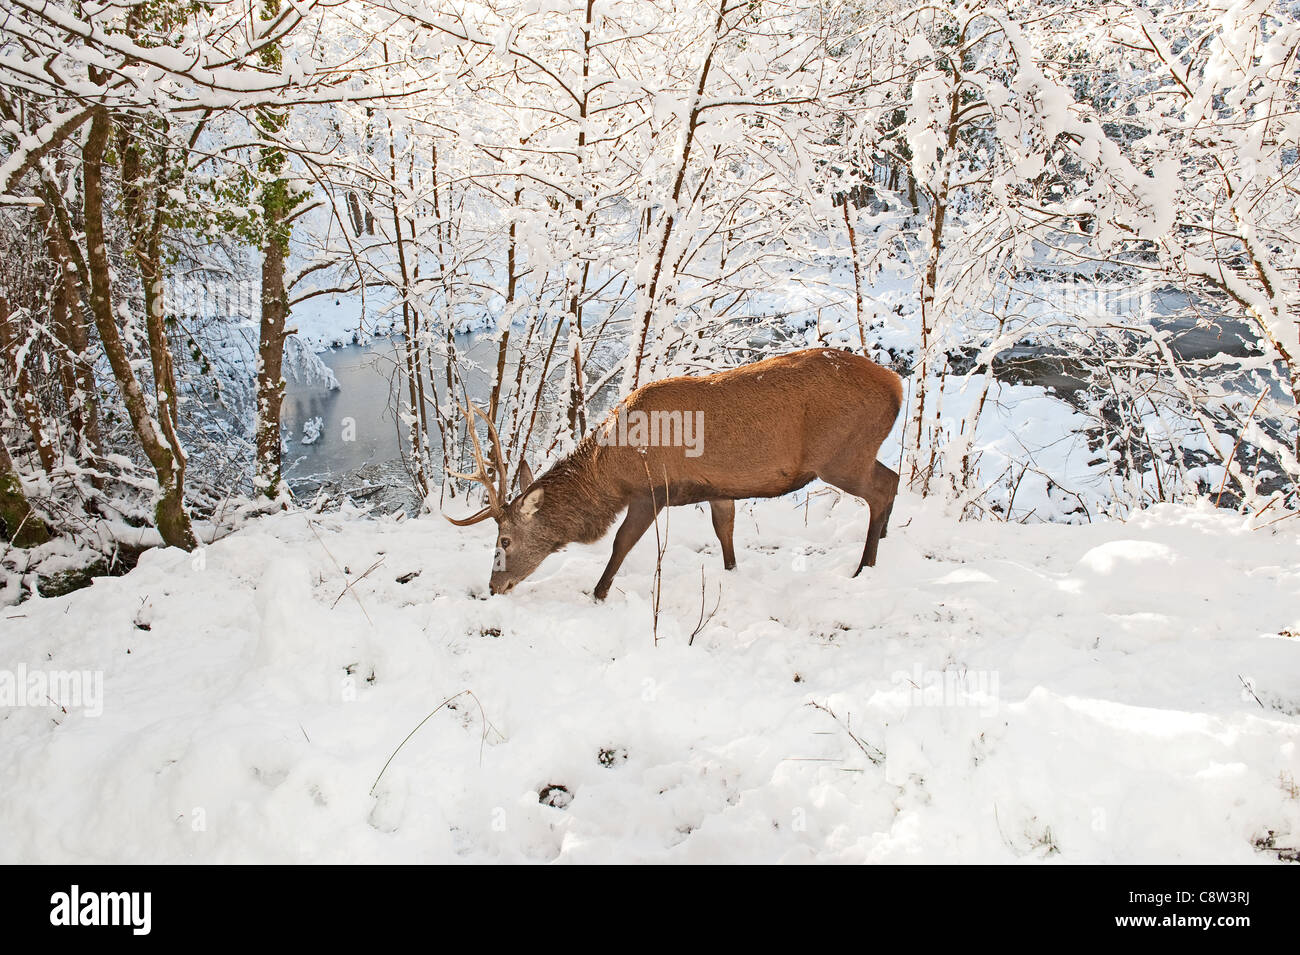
(1109, 692)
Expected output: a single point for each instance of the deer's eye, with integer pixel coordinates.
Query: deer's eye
(505, 542)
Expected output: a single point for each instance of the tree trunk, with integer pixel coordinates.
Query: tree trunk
(76, 372)
(19, 524)
(503, 346)
(270, 375)
(11, 341)
(857, 273)
(172, 520)
(930, 284)
(160, 353)
(584, 231)
(410, 324)
(277, 203)
(74, 332)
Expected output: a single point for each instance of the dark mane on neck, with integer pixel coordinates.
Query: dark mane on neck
(581, 503)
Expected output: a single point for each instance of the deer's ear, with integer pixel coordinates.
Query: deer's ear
(529, 505)
(525, 476)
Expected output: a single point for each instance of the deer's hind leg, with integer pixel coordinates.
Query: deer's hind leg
(878, 486)
(880, 497)
(724, 524)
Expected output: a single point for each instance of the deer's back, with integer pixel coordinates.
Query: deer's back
(763, 429)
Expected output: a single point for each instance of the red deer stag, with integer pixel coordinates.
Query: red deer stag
(761, 430)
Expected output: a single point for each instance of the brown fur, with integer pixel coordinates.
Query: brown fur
(768, 429)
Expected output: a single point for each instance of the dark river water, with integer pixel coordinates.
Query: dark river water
(358, 421)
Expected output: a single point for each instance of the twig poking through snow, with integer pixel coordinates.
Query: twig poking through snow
(347, 586)
(1251, 690)
(347, 589)
(876, 756)
(482, 739)
(703, 621)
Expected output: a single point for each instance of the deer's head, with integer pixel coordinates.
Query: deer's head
(524, 537)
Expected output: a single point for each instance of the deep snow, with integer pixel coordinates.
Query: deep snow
(1081, 696)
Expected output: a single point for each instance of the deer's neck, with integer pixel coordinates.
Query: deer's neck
(586, 494)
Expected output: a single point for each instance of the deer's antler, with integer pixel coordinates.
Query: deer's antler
(496, 495)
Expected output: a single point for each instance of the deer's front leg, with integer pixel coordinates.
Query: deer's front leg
(640, 515)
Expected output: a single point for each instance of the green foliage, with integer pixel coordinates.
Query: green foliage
(18, 522)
